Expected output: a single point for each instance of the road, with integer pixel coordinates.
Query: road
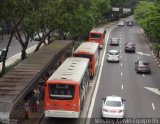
(121, 79)
(15, 46)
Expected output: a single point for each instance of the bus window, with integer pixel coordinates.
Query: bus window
(96, 36)
(61, 91)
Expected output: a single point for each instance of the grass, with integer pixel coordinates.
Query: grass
(10, 67)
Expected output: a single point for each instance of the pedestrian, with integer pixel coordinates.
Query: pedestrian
(34, 102)
(27, 109)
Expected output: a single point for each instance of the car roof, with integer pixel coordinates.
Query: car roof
(113, 98)
(113, 51)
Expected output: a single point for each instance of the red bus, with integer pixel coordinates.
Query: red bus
(97, 35)
(66, 89)
(89, 50)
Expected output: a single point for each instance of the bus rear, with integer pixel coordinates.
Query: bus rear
(61, 99)
(66, 89)
(97, 35)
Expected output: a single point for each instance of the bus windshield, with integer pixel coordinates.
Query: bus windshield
(84, 56)
(96, 36)
(61, 91)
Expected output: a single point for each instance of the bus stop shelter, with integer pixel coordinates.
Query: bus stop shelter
(16, 84)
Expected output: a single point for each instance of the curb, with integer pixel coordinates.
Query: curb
(39, 121)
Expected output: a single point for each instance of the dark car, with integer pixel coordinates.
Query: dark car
(129, 23)
(2, 54)
(130, 47)
(143, 67)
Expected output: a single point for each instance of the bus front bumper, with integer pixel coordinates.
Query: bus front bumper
(61, 114)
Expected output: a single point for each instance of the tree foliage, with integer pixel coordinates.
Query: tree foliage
(147, 14)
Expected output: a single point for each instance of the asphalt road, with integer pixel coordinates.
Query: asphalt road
(121, 79)
(15, 46)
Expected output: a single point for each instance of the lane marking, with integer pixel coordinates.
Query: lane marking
(119, 46)
(143, 75)
(122, 86)
(121, 64)
(121, 73)
(153, 106)
(98, 81)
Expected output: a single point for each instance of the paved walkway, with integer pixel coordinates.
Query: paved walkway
(35, 117)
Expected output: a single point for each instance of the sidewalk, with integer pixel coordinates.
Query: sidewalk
(35, 117)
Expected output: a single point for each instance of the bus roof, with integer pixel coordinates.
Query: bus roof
(90, 47)
(97, 30)
(72, 68)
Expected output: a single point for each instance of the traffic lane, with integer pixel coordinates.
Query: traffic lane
(15, 46)
(132, 57)
(110, 84)
(140, 40)
(134, 91)
(139, 83)
(138, 102)
(82, 118)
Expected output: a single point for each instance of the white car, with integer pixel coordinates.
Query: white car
(121, 23)
(113, 56)
(114, 41)
(113, 107)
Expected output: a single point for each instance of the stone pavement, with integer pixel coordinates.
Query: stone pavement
(35, 117)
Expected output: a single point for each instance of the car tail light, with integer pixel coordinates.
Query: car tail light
(105, 110)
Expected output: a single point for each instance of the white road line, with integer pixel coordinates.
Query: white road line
(122, 86)
(153, 106)
(121, 73)
(144, 75)
(121, 64)
(98, 81)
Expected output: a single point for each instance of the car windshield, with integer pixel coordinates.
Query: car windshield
(113, 103)
(113, 53)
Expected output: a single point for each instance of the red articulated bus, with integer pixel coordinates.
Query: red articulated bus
(89, 50)
(97, 35)
(66, 89)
